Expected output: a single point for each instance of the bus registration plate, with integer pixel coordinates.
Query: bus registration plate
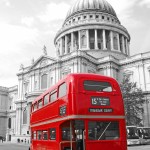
(100, 101)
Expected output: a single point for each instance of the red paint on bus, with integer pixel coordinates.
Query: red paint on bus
(80, 112)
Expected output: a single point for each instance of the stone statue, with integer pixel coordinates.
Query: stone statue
(45, 50)
(21, 67)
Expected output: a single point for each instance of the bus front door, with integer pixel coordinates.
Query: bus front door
(79, 128)
(72, 135)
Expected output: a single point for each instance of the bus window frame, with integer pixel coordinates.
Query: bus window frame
(58, 95)
(47, 100)
(104, 133)
(35, 104)
(41, 136)
(40, 101)
(46, 131)
(95, 80)
(50, 134)
(34, 137)
(55, 91)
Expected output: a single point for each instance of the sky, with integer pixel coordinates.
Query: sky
(27, 25)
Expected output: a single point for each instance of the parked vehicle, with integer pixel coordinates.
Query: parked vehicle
(144, 135)
(132, 136)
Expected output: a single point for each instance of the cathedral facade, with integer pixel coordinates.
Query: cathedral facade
(91, 40)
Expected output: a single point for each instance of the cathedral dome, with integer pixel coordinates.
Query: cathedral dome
(89, 5)
(90, 26)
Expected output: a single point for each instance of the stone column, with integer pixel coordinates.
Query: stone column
(104, 40)
(30, 83)
(111, 41)
(79, 39)
(123, 47)
(61, 46)
(28, 113)
(66, 44)
(128, 48)
(87, 35)
(118, 41)
(72, 39)
(126, 42)
(18, 120)
(96, 42)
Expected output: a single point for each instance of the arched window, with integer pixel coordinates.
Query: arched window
(9, 123)
(83, 41)
(26, 86)
(44, 81)
(25, 116)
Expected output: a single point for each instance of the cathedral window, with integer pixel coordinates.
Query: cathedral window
(97, 17)
(103, 17)
(83, 40)
(26, 86)
(92, 39)
(35, 85)
(9, 123)
(115, 41)
(44, 81)
(51, 80)
(91, 16)
(149, 73)
(65, 72)
(79, 18)
(84, 17)
(25, 116)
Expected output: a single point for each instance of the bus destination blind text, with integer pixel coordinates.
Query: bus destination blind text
(100, 101)
(101, 110)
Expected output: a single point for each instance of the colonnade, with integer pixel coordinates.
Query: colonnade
(93, 39)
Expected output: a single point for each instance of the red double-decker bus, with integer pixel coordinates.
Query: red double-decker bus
(80, 112)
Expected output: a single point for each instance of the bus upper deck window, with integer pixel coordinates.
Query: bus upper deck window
(35, 107)
(46, 99)
(101, 86)
(62, 90)
(53, 95)
(40, 103)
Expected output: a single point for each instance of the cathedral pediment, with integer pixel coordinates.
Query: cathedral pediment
(42, 62)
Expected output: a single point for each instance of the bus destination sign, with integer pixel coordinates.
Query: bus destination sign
(100, 101)
(101, 110)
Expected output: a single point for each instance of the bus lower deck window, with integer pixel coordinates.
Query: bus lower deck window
(45, 135)
(103, 130)
(39, 135)
(34, 135)
(52, 134)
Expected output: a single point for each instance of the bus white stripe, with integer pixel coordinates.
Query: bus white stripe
(77, 117)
